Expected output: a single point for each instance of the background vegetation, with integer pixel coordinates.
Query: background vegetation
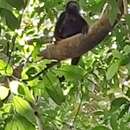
(95, 94)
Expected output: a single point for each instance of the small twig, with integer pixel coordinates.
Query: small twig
(62, 122)
(42, 71)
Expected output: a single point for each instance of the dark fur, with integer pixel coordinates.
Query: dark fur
(69, 23)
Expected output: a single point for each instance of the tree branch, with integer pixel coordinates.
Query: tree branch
(79, 44)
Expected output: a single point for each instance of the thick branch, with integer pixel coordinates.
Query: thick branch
(79, 44)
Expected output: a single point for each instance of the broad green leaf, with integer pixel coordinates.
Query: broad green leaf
(11, 20)
(116, 54)
(112, 70)
(3, 92)
(9, 125)
(100, 128)
(125, 59)
(5, 5)
(52, 85)
(19, 123)
(18, 4)
(113, 12)
(25, 123)
(28, 93)
(113, 121)
(72, 72)
(5, 69)
(118, 102)
(127, 49)
(23, 108)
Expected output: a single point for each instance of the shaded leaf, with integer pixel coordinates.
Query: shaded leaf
(52, 85)
(100, 128)
(5, 69)
(18, 4)
(71, 72)
(19, 123)
(5, 5)
(23, 108)
(118, 102)
(11, 20)
(112, 70)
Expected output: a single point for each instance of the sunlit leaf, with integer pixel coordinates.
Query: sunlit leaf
(113, 121)
(4, 91)
(127, 49)
(19, 123)
(5, 69)
(28, 93)
(23, 108)
(112, 70)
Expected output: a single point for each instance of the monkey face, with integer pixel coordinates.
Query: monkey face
(72, 7)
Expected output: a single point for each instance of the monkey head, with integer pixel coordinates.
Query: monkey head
(72, 7)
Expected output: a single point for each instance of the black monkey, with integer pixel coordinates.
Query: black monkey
(69, 23)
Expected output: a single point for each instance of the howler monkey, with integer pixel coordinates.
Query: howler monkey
(69, 23)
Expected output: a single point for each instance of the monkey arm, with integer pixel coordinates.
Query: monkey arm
(59, 26)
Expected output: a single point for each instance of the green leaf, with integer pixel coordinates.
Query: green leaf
(5, 69)
(113, 12)
(11, 21)
(5, 5)
(27, 93)
(19, 123)
(9, 125)
(3, 92)
(31, 71)
(100, 128)
(118, 102)
(127, 49)
(52, 85)
(71, 73)
(24, 123)
(112, 70)
(23, 108)
(18, 4)
(116, 54)
(113, 122)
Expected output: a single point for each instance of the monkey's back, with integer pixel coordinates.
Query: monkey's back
(71, 25)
